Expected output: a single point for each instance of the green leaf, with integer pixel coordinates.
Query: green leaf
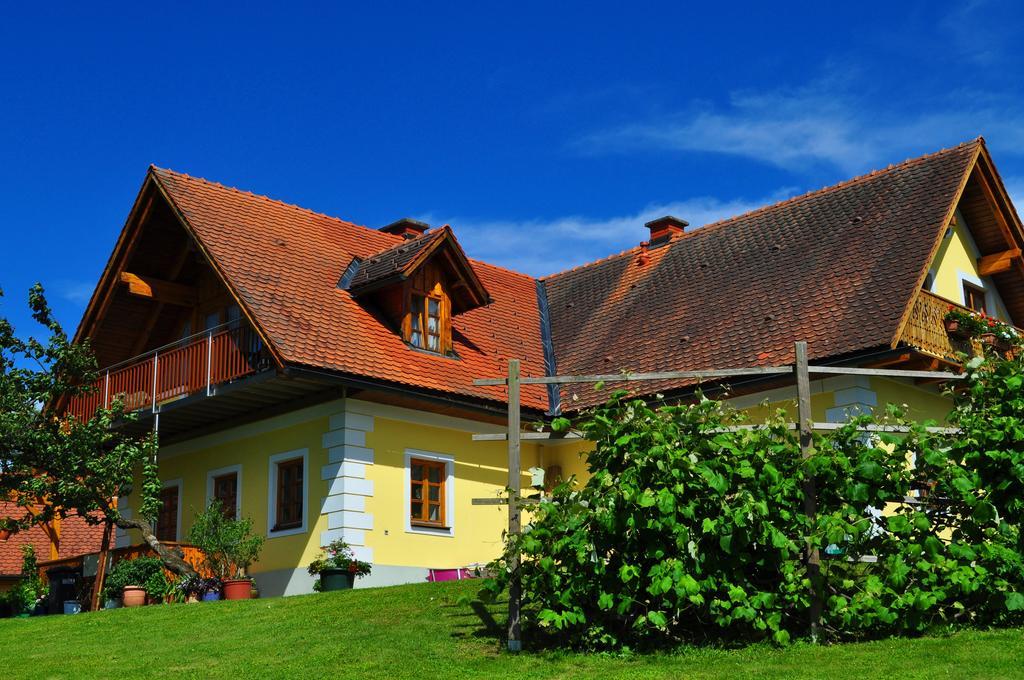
(984, 512)
(560, 424)
(781, 637)
(657, 619)
(605, 601)
(1015, 602)
(726, 543)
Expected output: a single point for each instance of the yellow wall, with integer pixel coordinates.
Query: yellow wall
(957, 260)
(481, 471)
(190, 463)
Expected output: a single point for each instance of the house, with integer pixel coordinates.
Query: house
(60, 539)
(317, 376)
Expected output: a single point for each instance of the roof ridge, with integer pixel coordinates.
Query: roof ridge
(873, 174)
(601, 260)
(264, 197)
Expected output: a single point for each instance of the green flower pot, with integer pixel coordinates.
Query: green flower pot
(336, 579)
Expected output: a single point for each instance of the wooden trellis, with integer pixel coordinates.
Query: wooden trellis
(800, 370)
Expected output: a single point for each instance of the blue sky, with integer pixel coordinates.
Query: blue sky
(546, 135)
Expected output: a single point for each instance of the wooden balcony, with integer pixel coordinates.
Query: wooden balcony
(926, 331)
(194, 365)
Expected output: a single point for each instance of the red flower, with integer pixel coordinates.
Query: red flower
(352, 567)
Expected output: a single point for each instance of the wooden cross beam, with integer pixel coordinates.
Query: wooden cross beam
(167, 292)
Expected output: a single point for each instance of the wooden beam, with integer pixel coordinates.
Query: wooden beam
(158, 290)
(997, 262)
(154, 314)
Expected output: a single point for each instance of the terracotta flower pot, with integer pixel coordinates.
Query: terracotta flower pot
(954, 329)
(995, 342)
(237, 589)
(134, 596)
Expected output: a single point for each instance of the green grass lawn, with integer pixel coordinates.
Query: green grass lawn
(428, 631)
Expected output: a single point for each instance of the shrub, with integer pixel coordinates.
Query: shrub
(687, 532)
(229, 546)
(144, 572)
(29, 591)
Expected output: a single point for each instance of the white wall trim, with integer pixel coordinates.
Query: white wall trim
(167, 484)
(449, 492)
(272, 493)
(226, 470)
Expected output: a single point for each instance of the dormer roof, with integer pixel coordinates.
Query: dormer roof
(399, 262)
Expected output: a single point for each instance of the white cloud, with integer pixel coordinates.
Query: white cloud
(824, 123)
(539, 247)
(77, 292)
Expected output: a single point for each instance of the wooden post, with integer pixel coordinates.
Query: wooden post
(101, 567)
(805, 423)
(515, 586)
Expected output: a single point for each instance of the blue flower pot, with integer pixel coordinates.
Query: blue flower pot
(211, 596)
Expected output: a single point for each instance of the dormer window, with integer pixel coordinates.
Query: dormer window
(418, 286)
(425, 329)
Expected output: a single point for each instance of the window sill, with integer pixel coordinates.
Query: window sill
(429, 529)
(289, 530)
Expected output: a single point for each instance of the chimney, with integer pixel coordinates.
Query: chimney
(664, 228)
(406, 227)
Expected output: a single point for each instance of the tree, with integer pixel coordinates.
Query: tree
(55, 466)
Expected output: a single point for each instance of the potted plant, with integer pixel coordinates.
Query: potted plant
(960, 323)
(229, 547)
(136, 579)
(996, 334)
(337, 568)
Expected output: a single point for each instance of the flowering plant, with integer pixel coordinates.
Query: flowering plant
(979, 323)
(338, 555)
(969, 322)
(198, 586)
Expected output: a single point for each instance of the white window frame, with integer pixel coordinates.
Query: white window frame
(219, 472)
(272, 493)
(177, 520)
(449, 493)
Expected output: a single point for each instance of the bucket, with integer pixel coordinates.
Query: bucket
(72, 607)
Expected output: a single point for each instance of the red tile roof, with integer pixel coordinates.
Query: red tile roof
(836, 268)
(284, 263)
(77, 537)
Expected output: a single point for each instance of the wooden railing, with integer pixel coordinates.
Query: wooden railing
(193, 365)
(926, 331)
(191, 554)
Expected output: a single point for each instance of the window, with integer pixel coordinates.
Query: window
(974, 297)
(167, 515)
(289, 494)
(425, 322)
(426, 492)
(225, 490)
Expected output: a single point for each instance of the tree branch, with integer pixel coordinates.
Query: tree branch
(172, 558)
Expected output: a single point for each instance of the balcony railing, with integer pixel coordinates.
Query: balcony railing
(196, 364)
(926, 329)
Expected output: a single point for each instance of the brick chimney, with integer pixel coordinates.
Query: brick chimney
(406, 227)
(664, 228)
